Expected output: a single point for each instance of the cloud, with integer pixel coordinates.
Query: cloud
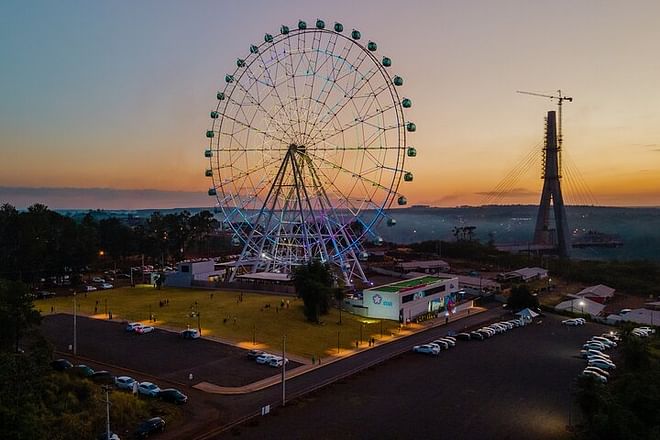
(103, 198)
(513, 192)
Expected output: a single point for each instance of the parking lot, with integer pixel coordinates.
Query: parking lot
(514, 385)
(161, 354)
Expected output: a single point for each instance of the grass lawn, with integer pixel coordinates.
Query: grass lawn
(223, 316)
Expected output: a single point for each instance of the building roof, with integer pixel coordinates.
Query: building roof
(400, 286)
(266, 276)
(529, 272)
(640, 316)
(600, 290)
(466, 280)
(423, 264)
(581, 305)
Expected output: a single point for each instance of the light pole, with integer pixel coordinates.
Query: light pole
(582, 306)
(361, 326)
(284, 370)
(254, 334)
(338, 341)
(106, 388)
(75, 335)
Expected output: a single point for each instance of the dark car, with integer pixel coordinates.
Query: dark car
(103, 377)
(477, 336)
(253, 354)
(463, 336)
(151, 426)
(61, 364)
(81, 370)
(172, 395)
(191, 333)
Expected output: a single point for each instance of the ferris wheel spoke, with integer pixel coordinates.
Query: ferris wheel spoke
(261, 132)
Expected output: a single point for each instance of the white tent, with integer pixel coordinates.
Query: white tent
(527, 314)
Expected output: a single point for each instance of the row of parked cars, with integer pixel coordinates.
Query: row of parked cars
(599, 364)
(434, 347)
(491, 330)
(139, 328)
(127, 383)
(643, 332)
(263, 358)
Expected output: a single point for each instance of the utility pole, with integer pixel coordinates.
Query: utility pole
(284, 370)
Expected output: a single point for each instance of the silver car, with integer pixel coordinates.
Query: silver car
(124, 382)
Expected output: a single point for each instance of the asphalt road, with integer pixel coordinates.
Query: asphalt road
(512, 386)
(161, 354)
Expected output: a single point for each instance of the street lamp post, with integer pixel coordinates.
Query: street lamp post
(582, 306)
(338, 342)
(361, 326)
(284, 370)
(107, 388)
(254, 334)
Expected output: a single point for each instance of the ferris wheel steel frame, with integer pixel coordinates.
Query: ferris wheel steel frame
(294, 200)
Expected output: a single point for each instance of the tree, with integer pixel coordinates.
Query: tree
(521, 298)
(17, 314)
(313, 282)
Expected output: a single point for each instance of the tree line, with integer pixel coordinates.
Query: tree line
(38, 242)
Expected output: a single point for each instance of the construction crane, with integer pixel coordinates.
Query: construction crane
(560, 100)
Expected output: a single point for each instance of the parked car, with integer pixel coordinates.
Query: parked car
(98, 280)
(449, 338)
(148, 389)
(598, 370)
(600, 363)
(477, 336)
(443, 345)
(87, 288)
(277, 362)
(427, 349)
(191, 333)
(131, 326)
(647, 329)
(81, 370)
(451, 342)
(253, 354)
(172, 395)
(61, 364)
(124, 382)
(144, 329)
(264, 358)
(570, 322)
(604, 341)
(105, 286)
(463, 336)
(103, 377)
(151, 426)
(598, 377)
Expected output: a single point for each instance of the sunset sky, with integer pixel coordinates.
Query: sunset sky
(99, 98)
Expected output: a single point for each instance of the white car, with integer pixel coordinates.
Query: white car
(98, 280)
(131, 326)
(148, 389)
(124, 382)
(598, 377)
(595, 346)
(570, 322)
(647, 329)
(603, 341)
(450, 338)
(265, 358)
(144, 329)
(598, 370)
(105, 286)
(427, 349)
(640, 333)
(277, 361)
(601, 363)
(88, 288)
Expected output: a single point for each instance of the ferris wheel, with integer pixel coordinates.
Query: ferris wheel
(307, 145)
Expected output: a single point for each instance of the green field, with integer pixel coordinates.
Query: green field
(223, 316)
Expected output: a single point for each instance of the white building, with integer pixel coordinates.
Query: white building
(584, 306)
(524, 274)
(599, 293)
(425, 266)
(405, 300)
(193, 270)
